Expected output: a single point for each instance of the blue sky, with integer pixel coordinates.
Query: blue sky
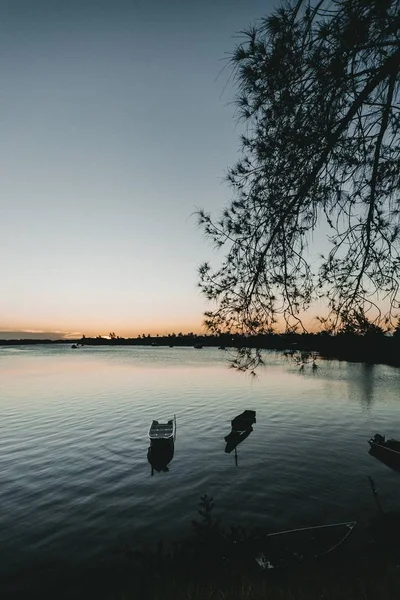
(116, 125)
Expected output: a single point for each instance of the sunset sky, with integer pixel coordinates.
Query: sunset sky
(116, 125)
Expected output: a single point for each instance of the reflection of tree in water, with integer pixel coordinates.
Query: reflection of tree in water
(303, 358)
(362, 387)
(367, 384)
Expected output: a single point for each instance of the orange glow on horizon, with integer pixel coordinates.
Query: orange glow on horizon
(157, 327)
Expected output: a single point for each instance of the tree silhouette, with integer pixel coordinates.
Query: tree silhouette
(318, 90)
(357, 324)
(396, 332)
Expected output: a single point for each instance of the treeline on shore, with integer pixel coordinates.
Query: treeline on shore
(370, 347)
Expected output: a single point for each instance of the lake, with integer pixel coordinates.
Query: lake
(75, 483)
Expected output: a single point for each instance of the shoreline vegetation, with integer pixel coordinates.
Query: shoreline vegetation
(372, 348)
(214, 561)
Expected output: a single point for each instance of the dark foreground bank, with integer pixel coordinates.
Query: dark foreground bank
(218, 562)
(322, 583)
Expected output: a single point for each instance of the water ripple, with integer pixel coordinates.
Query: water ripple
(74, 478)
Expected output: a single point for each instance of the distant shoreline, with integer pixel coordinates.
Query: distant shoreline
(371, 349)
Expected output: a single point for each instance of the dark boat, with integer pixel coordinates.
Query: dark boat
(198, 346)
(385, 458)
(389, 447)
(386, 451)
(241, 429)
(162, 444)
(243, 421)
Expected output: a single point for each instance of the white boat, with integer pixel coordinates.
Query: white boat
(162, 444)
(162, 431)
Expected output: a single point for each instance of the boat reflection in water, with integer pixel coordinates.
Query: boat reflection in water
(241, 429)
(162, 444)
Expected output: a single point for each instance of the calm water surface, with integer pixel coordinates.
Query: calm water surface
(75, 484)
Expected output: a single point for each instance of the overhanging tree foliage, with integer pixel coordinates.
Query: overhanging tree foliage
(318, 89)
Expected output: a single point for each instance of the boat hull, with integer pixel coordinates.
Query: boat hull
(387, 456)
(241, 429)
(384, 449)
(243, 421)
(286, 547)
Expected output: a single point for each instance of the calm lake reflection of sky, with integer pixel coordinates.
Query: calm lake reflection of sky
(74, 478)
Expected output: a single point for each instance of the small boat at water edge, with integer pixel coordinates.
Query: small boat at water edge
(198, 346)
(389, 447)
(287, 547)
(386, 458)
(386, 451)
